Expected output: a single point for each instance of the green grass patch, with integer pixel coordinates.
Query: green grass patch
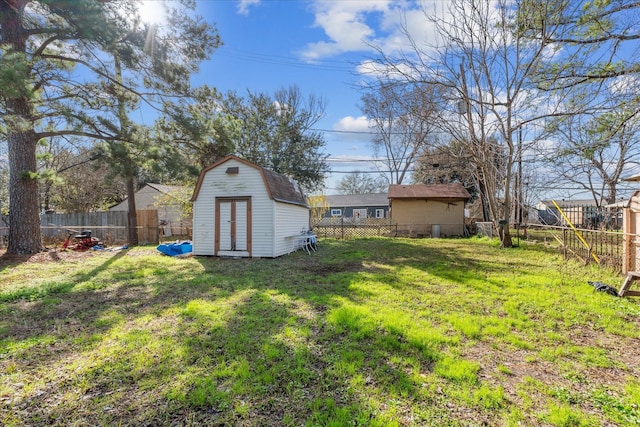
(375, 332)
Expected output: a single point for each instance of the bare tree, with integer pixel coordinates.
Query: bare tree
(362, 183)
(401, 115)
(446, 164)
(593, 152)
(485, 67)
(595, 66)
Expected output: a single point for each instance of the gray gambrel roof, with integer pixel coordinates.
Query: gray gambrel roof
(358, 200)
(280, 187)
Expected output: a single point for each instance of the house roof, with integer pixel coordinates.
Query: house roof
(569, 203)
(355, 200)
(167, 189)
(280, 187)
(145, 200)
(621, 204)
(424, 191)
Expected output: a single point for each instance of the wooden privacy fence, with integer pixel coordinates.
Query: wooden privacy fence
(110, 226)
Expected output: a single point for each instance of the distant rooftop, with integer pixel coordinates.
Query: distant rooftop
(424, 191)
(354, 200)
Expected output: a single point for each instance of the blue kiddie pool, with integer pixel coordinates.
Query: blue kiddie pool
(175, 249)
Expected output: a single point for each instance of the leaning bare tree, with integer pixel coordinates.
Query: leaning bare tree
(479, 55)
(593, 153)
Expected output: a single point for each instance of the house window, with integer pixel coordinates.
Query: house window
(379, 213)
(359, 213)
(336, 212)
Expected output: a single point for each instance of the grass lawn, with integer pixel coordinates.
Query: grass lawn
(370, 332)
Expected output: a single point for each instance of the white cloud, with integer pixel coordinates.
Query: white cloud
(345, 25)
(358, 26)
(376, 69)
(243, 5)
(624, 85)
(353, 124)
(350, 133)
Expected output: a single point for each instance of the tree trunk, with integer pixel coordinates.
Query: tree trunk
(24, 208)
(506, 233)
(132, 217)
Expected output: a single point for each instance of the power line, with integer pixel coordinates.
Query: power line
(346, 160)
(354, 172)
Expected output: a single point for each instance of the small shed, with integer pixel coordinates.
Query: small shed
(422, 210)
(241, 209)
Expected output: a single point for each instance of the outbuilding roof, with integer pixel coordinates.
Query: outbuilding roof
(429, 191)
(280, 187)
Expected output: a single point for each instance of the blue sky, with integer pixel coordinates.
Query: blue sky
(319, 45)
(316, 45)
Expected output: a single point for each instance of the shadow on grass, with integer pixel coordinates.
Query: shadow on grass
(288, 341)
(8, 260)
(56, 287)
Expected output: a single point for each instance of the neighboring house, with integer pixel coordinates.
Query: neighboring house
(373, 205)
(428, 210)
(241, 209)
(582, 213)
(158, 197)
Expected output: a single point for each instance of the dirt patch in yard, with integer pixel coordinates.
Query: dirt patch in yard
(52, 255)
(529, 380)
(55, 255)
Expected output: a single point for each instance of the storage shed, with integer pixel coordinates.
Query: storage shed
(241, 209)
(428, 210)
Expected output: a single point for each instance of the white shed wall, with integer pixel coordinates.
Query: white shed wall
(247, 182)
(290, 220)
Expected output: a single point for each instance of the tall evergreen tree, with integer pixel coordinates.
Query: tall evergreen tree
(57, 65)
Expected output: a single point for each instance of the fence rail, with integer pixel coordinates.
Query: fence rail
(606, 245)
(353, 228)
(340, 228)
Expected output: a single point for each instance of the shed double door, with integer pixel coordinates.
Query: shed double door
(233, 225)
